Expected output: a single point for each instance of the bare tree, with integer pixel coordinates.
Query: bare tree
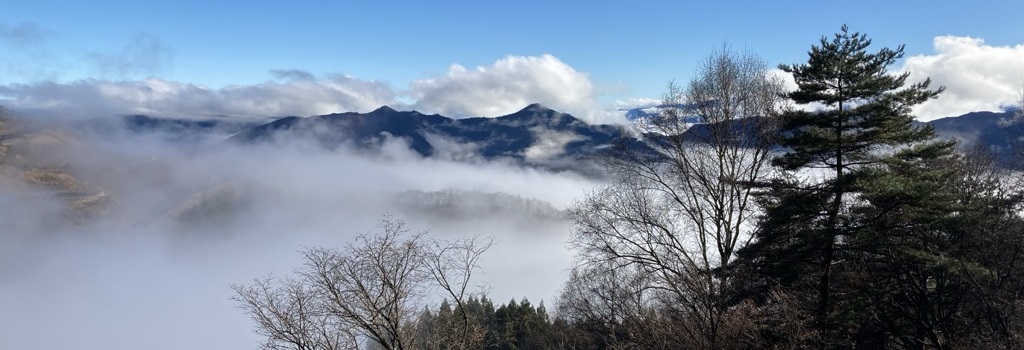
(680, 213)
(608, 301)
(291, 316)
(451, 265)
(369, 291)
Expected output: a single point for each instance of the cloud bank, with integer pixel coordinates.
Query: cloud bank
(977, 76)
(488, 91)
(506, 86)
(182, 226)
(153, 96)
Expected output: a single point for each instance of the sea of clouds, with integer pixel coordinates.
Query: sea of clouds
(183, 224)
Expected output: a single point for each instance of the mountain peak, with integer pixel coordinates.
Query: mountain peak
(383, 109)
(537, 114)
(535, 107)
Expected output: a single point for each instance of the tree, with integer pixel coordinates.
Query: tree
(945, 236)
(370, 291)
(862, 126)
(990, 241)
(680, 213)
(613, 304)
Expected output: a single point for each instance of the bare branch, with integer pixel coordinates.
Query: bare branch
(679, 216)
(369, 291)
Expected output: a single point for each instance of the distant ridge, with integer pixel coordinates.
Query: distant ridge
(999, 133)
(534, 134)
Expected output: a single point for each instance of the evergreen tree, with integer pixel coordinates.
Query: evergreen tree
(940, 253)
(863, 121)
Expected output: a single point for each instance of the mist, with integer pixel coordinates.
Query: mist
(151, 267)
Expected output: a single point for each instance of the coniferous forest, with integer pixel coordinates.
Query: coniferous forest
(753, 218)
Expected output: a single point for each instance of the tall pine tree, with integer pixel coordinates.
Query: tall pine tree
(862, 121)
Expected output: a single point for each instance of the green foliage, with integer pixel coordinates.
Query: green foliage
(515, 325)
(865, 107)
(880, 243)
(808, 240)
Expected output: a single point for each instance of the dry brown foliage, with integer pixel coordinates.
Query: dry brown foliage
(52, 178)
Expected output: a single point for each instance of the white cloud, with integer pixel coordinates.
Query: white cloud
(549, 144)
(508, 85)
(637, 102)
(788, 82)
(505, 87)
(977, 76)
(155, 96)
(102, 279)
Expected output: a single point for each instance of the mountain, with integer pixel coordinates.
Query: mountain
(180, 130)
(453, 204)
(649, 113)
(996, 132)
(143, 124)
(535, 134)
(32, 173)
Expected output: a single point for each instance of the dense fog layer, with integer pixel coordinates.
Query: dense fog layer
(151, 268)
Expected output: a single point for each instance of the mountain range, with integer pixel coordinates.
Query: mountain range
(999, 133)
(534, 135)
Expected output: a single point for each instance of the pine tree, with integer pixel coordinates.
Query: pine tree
(863, 121)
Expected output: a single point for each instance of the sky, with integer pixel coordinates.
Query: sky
(463, 58)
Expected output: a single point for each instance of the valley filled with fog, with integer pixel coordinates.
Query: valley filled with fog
(131, 240)
(511, 175)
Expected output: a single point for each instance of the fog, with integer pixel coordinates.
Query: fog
(179, 224)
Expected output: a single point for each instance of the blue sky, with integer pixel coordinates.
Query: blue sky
(625, 50)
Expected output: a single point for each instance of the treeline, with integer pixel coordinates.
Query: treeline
(514, 325)
(459, 204)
